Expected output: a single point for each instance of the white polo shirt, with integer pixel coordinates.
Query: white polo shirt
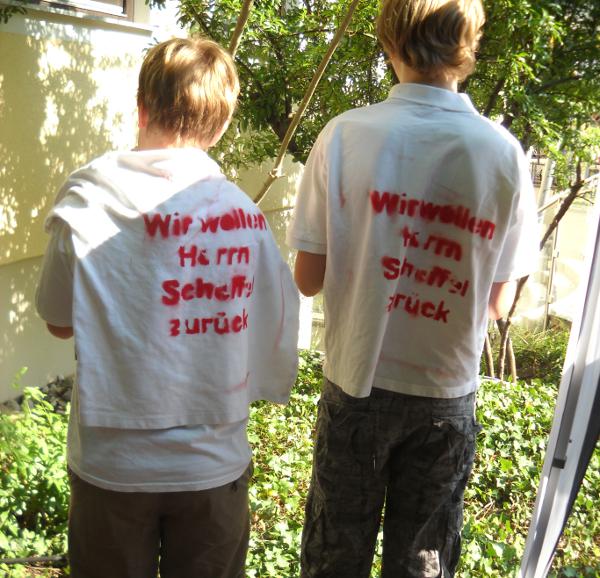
(420, 204)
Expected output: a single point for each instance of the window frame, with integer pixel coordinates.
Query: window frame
(122, 10)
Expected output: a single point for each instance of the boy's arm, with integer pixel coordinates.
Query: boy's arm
(309, 272)
(501, 298)
(520, 251)
(54, 296)
(307, 231)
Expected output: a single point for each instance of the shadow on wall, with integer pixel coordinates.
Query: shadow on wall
(24, 341)
(279, 221)
(278, 203)
(51, 121)
(56, 113)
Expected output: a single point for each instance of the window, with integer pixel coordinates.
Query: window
(115, 8)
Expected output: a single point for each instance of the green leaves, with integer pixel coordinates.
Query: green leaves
(33, 480)
(538, 72)
(538, 354)
(8, 11)
(281, 438)
(282, 45)
(516, 421)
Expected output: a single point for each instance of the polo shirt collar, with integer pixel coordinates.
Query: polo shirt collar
(432, 96)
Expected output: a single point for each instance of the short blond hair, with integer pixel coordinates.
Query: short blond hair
(189, 88)
(432, 36)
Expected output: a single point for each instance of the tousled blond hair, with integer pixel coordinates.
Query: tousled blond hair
(432, 36)
(189, 88)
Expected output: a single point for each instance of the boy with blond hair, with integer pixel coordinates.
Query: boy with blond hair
(183, 313)
(415, 216)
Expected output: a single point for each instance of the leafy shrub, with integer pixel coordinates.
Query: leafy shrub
(538, 354)
(499, 499)
(282, 441)
(33, 482)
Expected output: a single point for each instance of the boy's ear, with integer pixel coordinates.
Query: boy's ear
(218, 136)
(142, 116)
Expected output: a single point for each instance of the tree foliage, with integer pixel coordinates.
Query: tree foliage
(499, 498)
(538, 71)
(282, 46)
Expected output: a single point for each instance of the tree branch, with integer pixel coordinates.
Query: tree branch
(505, 326)
(276, 171)
(55, 561)
(199, 19)
(239, 27)
(493, 99)
(574, 191)
(489, 357)
(250, 72)
(511, 354)
(554, 83)
(309, 32)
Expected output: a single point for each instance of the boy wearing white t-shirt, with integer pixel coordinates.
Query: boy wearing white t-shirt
(415, 216)
(183, 313)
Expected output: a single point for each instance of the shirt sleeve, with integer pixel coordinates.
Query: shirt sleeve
(274, 333)
(54, 296)
(520, 252)
(308, 227)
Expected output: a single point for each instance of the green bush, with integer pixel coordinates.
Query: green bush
(33, 482)
(499, 499)
(516, 421)
(282, 442)
(541, 354)
(538, 354)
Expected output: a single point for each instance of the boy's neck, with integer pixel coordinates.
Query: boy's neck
(406, 74)
(152, 138)
(149, 139)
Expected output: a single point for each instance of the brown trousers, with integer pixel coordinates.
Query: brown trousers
(202, 534)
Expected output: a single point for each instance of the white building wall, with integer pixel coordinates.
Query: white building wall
(25, 342)
(68, 86)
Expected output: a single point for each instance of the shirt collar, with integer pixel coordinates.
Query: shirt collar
(433, 96)
(187, 163)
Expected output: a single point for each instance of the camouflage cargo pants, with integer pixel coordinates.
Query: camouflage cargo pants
(414, 455)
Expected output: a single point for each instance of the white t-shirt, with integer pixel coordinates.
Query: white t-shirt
(142, 456)
(177, 283)
(420, 204)
(187, 458)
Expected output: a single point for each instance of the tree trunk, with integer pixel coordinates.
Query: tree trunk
(574, 191)
(488, 356)
(276, 171)
(239, 27)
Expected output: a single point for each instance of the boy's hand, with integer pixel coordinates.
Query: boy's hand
(60, 332)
